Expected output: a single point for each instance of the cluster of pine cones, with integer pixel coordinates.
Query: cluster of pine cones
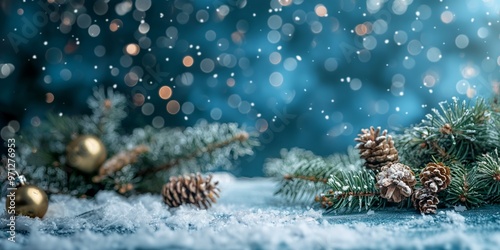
(397, 181)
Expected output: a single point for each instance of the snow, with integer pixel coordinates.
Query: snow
(247, 216)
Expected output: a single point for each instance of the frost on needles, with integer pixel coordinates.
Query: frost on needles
(138, 162)
(461, 135)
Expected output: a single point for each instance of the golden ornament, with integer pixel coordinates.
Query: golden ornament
(86, 153)
(28, 200)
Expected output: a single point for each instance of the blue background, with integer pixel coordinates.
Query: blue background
(283, 68)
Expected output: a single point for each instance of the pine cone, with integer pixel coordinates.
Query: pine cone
(190, 189)
(377, 149)
(396, 182)
(435, 177)
(425, 201)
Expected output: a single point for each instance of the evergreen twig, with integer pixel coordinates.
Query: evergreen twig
(488, 175)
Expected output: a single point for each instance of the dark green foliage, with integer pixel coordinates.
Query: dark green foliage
(465, 188)
(462, 135)
(488, 176)
(458, 132)
(351, 191)
(304, 175)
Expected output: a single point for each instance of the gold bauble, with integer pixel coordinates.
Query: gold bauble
(86, 153)
(27, 200)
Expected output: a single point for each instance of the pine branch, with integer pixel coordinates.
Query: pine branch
(304, 175)
(488, 175)
(350, 191)
(42, 153)
(238, 138)
(118, 161)
(457, 132)
(464, 188)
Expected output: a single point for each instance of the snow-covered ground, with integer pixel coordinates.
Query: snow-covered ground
(247, 216)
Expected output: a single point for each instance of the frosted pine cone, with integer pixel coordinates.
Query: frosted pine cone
(396, 182)
(435, 177)
(377, 149)
(425, 201)
(190, 189)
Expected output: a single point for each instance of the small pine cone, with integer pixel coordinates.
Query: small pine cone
(425, 201)
(396, 182)
(190, 189)
(435, 177)
(377, 149)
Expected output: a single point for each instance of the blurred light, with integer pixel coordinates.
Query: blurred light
(290, 64)
(261, 125)
(447, 16)
(6, 69)
(380, 26)
(400, 37)
(369, 42)
(274, 22)
(430, 79)
(222, 11)
(273, 36)
(84, 21)
(94, 30)
(165, 92)
(210, 35)
(321, 10)
(363, 29)
(53, 55)
(123, 7)
(216, 114)
(462, 86)
(434, 54)
(49, 97)
(187, 108)
(148, 109)
(331, 64)
(285, 2)
(173, 107)
(316, 27)
(230, 82)
(35, 121)
(202, 16)
(132, 49)
(115, 25)
(138, 99)
(355, 84)
(207, 65)
(188, 61)
(276, 79)
(469, 71)
(186, 78)
(158, 122)
(234, 100)
(424, 12)
(414, 47)
(482, 32)
(99, 51)
(237, 37)
(143, 5)
(471, 93)
(131, 79)
(143, 28)
(65, 74)
(275, 58)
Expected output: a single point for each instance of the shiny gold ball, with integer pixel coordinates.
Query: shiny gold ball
(86, 153)
(27, 200)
